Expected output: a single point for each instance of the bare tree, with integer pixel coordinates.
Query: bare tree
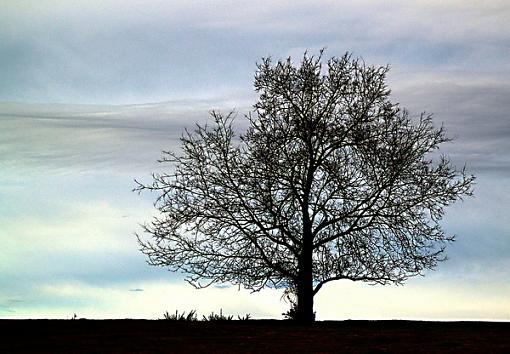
(331, 181)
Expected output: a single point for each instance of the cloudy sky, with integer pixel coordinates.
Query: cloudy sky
(92, 91)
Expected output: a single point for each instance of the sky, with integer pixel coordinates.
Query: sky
(91, 92)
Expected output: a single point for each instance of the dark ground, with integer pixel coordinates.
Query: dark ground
(254, 336)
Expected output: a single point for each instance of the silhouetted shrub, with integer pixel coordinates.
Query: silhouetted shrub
(217, 317)
(191, 316)
(244, 318)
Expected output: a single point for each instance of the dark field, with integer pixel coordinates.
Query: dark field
(254, 336)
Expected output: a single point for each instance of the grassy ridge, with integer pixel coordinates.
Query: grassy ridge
(256, 336)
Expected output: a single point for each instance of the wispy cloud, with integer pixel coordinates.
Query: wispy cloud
(84, 138)
(476, 114)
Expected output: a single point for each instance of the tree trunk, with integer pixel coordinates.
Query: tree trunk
(305, 312)
(304, 289)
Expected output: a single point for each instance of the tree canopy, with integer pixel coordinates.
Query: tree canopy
(330, 181)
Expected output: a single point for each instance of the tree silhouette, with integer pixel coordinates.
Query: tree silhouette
(330, 181)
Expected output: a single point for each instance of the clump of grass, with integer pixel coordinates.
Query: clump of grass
(212, 317)
(291, 314)
(217, 317)
(75, 318)
(244, 318)
(190, 317)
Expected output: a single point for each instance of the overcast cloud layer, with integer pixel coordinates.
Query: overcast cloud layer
(92, 91)
(147, 51)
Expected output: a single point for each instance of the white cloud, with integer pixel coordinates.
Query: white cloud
(341, 300)
(81, 227)
(156, 298)
(421, 300)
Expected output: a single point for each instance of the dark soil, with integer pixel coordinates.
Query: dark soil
(254, 336)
